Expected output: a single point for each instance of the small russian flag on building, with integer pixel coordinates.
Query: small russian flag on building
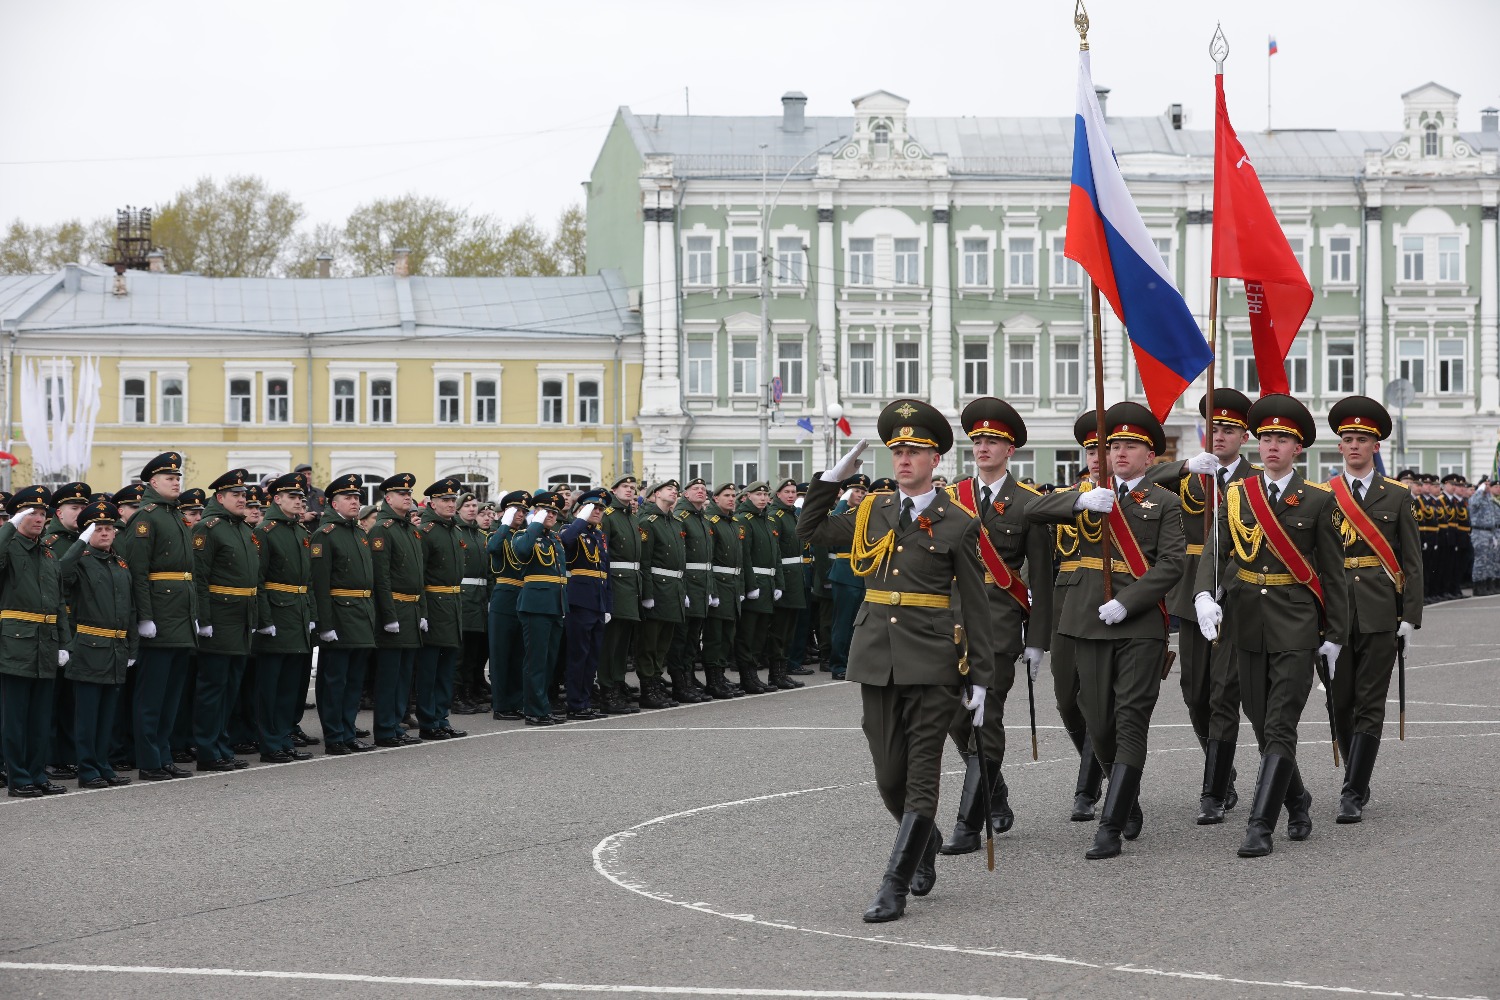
(1272, 46)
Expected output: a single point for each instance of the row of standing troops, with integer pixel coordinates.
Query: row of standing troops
(1442, 512)
(1303, 579)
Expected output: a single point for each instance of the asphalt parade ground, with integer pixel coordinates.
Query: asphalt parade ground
(728, 850)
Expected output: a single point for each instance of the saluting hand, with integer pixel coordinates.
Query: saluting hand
(845, 466)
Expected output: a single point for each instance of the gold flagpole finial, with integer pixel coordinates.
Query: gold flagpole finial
(1081, 24)
(1218, 48)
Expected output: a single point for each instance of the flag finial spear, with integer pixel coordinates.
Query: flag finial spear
(1081, 24)
(1218, 48)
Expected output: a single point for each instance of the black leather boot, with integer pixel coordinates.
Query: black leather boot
(1135, 819)
(752, 684)
(1357, 770)
(1090, 778)
(683, 691)
(1124, 786)
(1001, 815)
(911, 840)
(1298, 807)
(1217, 764)
(654, 693)
(716, 688)
(1270, 792)
(969, 827)
(925, 877)
(779, 678)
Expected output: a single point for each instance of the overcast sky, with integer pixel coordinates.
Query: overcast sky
(501, 107)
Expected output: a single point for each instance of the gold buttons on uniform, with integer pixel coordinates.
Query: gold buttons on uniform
(900, 548)
(1356, 578)
(893, 620)
(895, 572)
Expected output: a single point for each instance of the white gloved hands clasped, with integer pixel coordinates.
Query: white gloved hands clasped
(206, 631)
(330, 636)
(1404, 631)
(1330, 652)
(713, 602)
(392, 627)
(1112, 613)
(1100, 500)
(607, 617)
(269, 630)
(1209, 615)
(687, 602)
(146, 630)
(1032, 657)
(847, 465)
(775, 594)
(62, 657)
(974, 702)
(422, 624)
(752, 595)
(1204, 463)
(649, 603)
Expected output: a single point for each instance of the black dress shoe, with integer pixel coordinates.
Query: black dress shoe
(176, 772)
(358, 747)
(337, 750)
(65, 771)
(586, 714)
(542, 720)
(237, 764)
(49, 787)
(215, 765)
(157, 774)
(805, 671)
(103, 783)
(517, 716)
(246, 748)
(301, 739)
(276, 757)
(408, 740)
(188, 756)
(115, 780)
(28, 791)
(122, 765)
(434, 734)
(454, 734)
(389, 741)
(298, 754)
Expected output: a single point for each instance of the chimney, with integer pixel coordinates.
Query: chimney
(403, 266)
(793, 106)
(325, 265)
(1102, 93)
(156, 262)
(120, 289)
(72, 277)
(1489, 120)
(1174, 112)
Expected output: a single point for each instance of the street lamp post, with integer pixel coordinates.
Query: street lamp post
(831, 417)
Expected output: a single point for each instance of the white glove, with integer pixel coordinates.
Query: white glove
(311, 626)
(1032, 657)
(775, 595)
(1204, 463)
(62, 657)
(206, 631)
(649, 603)
(393, 627)
(1330, 652)
(129, 663)
(269, 630)
(538, 516)
(687, 602)
(329, 636)
(844, 496)
(422, 624)
(752, 595)
(146, 630)
(1112, 613)
(1100, 500)
(607, 617)
(975, 704)
(585, 512)
(1404, 631)
(87, 533)
(514, 516)
(1209, 615)
(846, 465)
(30, 512)
(713, 602)
(798, 504)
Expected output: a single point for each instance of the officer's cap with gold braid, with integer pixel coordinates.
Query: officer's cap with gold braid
(1230, 407)
(991, 417)
(913, 422)
(233, 481)
(167, 461)
(399, 482)
(291, 483)
(128, 495)
(858, 480)
(598, 497)
(516, 498)
(255, 497)
(71, 493)
(1283, 414)
(1360, 414)
(345, 484)
(885, 484)
(98, 512)
(547, 501)
(443, 489)
(1129, 421)
(1086, 428)
(191, 500)
(30, 496)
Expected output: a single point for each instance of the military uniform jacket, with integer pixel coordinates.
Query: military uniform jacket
(343, 580)
(96, 585)
(444, 556)
(698, 549)
(226, 575)
(1017, 541)
(818, 561)
(400, 578)
(544, 567)
(663, 564)
(1197, 507)
(1264, 617)
(1154, 514)
(506, 568)
(730, 565)
(838, 562)
(1374, 604)
(783, 521)
(33, 624)
(158, 548)
(588, 566)
(476, 580)
(286, 598)
(623, 538)
(762, 555)
(908, 643)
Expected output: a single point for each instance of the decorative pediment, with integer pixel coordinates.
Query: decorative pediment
(881, 144)
(1430, 143)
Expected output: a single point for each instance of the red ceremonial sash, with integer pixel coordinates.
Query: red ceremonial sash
(1126, 542)
(1367, 531)
(1005, 578)
(1280, 542)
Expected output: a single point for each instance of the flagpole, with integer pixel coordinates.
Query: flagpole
(1269, 54)
(1218, 49)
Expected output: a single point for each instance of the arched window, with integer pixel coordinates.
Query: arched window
(1430, 139)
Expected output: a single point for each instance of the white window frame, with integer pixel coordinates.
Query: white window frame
(1020, 373)
(873, 361)
(1067, 467)
(1441, 365)
(1057, 389)
(1427, 228)
(737, 277)
(1401, 359)
(163, 377)
(333, 398)
(154, 374)
(697, 366)
(982, 367)
(238, 373)
(1243, 374)
(1068, 266)
(915, 385)
(543, 400)
(966, 274)
(906, 265)
(580, 401)
(475, 400)
(1450, 462)
(788, 467)
(453, 405)
(289, 414)
(797, 365)
(1342, 360)
(742, 462)
(1329, 254)
(1299, 367)
(374, 467)
(797, 257)
(739, 385)
(144, 398)
(1022, 259)
(700, 232)
(699, 464)
(866, 274)
(1023, 466)
(578, 466)
(371, 377)
(1167, 253)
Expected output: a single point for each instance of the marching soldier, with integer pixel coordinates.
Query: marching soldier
(507, 647)
(663, 597)
(1119, 629)
(472, 693)
(226, 575)
(848, 590)
(698, 544)
(396, 556)
(763, 555)
(1020, 609)
(912, 674)
(1210, 679)
(442, 627)
(97, 586)
(790, 597)
(1281, 564)
(588, 601)
(728, 589)
(623, 539)
(343, 577)
(68, 500)
(285, 616)
(1383, 571)
(540, 606)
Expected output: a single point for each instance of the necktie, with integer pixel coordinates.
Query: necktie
(905, 520)
(1223, 480)
(1275, 493)
(984, 498)
(1359, 491)
(1123, 491)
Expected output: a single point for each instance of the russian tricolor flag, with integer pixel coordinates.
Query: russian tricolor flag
(1109, 240)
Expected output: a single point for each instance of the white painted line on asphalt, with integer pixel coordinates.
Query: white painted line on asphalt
(1210, 977)
(1441, 704)
(492, 984)
(1455, 663)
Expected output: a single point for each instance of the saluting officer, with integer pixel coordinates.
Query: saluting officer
(848, 590)
(1281, 565)
(472, 693)
(540, 606)
(919, 545)
(790, 595)
(1120, 642)
(624, 541)
(761, 585)
(507, 645)
(588, 601)
(396, 555)
(442, 627)
(122, 747)
(727, 589)
(1383, 569)
(285, 615)
(1020, 604)
(343, 580)
(59, 535)
(158, 548)
(687, 637)
(97, 587)
(663, 600)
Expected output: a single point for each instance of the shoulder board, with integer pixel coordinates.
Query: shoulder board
(1032, 489)
(51, 540)
(1166, 489)
(682, 515)
(652, 517)
(215, 520)
(1257, 468)
(1315, 485)
(714, 519)
(391, 520)
(151, 506)
(611, 510)
(328, 529)
(268, 525)
(1393, 482)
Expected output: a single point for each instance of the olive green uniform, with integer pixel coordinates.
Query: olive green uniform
(663, 565)
(793, 600)
(687, 637)
(33, 627)
(96, 585)
(396, 554)
(471, 687)
(729, 568)
(60, 538)
(285, 601)
(764, 577)
(623, 539)
(443, 547)
(343, 580)
(226, 576)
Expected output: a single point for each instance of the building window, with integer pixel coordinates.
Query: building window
(1299, 250)
(241, 403)
(1022, 262)
(909, 369)
(791, 261)
(588, 401)
(1330, 464)
(744, 379)
(1298, 368)
(745, 260)
(55, 388)
(278, 401)
(1412, 258)
(700, 465)
(380, 401)
(700, 368)
(789, 365)
(698, 261)
(1450, 365)
(908, 262)
(790, 463)
(485, 398)
(1430, 139)
(1340, 355)
(1021, 355)
(1450, 462)
(448, 401)
(1448, 258)
(133, 402)
(1067, 368)
(976, 368)
(1411, 362)
(1065, 272)
(343, 401)
(862, 369)
(1023, 465)
(172, 410)
(552, 401)
(1340, 259)
(862, 262)
(474, 482)
(882, 142)
(1242, 368)
(1067, 467)
(746, 466)
(976, 263)
(1164, 248)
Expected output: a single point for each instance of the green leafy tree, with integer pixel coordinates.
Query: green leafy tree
(308, 244)
(241, 229)
(428, 228)
(26, 249)
(570, 243)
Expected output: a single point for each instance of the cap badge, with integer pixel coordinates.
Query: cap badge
(906, 410)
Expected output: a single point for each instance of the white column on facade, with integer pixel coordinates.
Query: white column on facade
(1374, 297)
(1114, 353)
(650, 302)
(828, 334)
(669, 371)
(1489, 370)
(1196, 260)
(942, 388)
